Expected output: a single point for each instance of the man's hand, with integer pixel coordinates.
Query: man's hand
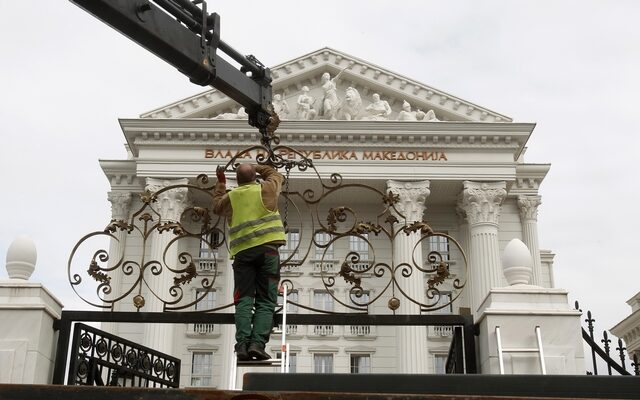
(220, 174)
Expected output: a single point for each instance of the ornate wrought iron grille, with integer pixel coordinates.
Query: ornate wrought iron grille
(101, 359)
(320, 210)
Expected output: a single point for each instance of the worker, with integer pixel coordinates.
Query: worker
(255, 234)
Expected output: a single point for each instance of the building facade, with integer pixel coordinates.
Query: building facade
(452, 163)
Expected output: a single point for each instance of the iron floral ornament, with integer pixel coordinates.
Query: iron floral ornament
(323, 214)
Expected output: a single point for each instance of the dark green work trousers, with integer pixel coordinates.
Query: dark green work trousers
(256, 274)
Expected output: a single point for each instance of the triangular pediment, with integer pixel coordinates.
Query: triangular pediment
(356, 84)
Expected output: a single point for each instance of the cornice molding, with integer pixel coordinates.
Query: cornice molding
(122, 175)
(528, 179)
(356, 71)
(512, 137)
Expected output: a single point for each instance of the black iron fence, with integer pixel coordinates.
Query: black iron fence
(604, 356)
(99, 358)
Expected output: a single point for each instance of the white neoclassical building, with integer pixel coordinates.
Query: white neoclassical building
(455, 164)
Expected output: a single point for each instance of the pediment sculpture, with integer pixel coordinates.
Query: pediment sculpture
(407, 115)
(331, 105)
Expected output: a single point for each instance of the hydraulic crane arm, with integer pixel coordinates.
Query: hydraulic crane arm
(187, 37)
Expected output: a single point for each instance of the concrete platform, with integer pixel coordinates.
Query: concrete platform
(486, 386)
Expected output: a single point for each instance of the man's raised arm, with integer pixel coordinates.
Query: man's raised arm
(271, 186)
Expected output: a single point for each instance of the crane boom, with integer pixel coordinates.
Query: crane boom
(188, 37)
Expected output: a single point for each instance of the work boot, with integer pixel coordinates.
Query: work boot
(241, 352)
(256, 350)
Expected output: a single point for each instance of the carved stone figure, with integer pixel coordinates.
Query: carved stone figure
(241, 114)
(430, 116)
(350, 107)
(407, 115)
(305, 105)
(330, 102)
(280, 106)
(379, 109)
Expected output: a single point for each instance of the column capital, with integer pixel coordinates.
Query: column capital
(412, 197)
(528, 206)
(481, 201)
(173, 202)
(120, 202)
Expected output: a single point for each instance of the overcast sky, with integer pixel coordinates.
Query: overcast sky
(573, 67)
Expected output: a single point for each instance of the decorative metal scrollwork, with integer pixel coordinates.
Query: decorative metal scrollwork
(319, 210)
(102, 359)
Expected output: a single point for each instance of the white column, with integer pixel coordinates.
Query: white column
(465, 241)
(411, 340)
(529, 216)
(170, 205)
(481, 202)
(120, 202)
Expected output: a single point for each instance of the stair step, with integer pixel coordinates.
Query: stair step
(275, 362)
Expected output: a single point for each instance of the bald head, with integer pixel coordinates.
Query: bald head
(246, 173)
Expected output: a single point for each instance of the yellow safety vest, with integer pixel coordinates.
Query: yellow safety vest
(252, 224)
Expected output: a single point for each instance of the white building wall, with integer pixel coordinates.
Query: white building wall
(381, 344)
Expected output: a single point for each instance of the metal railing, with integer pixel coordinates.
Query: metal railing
(99, 358)
(605, 355)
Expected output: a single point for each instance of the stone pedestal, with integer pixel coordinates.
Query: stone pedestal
(27, 343)
(27, 312)
(517, 310)
(411, 340)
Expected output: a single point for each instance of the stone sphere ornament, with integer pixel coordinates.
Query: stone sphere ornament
(517, 263)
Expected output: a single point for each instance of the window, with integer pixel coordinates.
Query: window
(201, 368)
(438, 244)
(323, 238)
(208, 301)
(291, 247)
(360, 245)
(293, 361)
(291, 297)
(323, 363)
(208, 253)
(439, 363)
(322, 300)
(360, 363)
(209, 245)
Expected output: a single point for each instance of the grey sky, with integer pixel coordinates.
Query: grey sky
(570, 66)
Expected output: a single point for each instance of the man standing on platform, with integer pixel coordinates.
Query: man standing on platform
(255, 233)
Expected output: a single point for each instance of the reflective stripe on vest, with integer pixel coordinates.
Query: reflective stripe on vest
(252, 224)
